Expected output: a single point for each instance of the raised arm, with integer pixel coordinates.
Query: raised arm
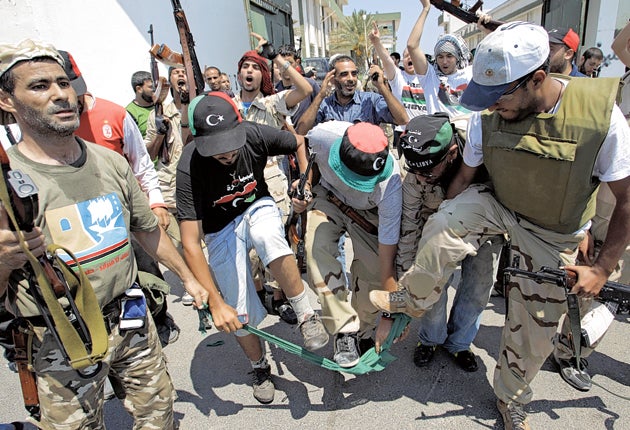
(307, 121)
(302, 88)
(416, 53)
(393, 104)
(388, 64)
(621, 45)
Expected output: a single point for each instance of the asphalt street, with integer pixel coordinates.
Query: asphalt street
(211, 377)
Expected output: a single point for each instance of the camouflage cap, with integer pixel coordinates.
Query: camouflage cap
(10, 54)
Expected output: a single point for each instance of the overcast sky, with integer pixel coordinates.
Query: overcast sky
(409, 11)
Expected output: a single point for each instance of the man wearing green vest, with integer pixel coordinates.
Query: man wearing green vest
(546, 149)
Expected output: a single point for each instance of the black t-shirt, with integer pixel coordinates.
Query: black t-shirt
(216, 194)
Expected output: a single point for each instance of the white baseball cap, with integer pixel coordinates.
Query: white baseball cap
(510, 52)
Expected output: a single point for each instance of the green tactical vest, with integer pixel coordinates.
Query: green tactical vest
(541, 167)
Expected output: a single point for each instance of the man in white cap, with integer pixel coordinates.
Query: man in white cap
(546, 151)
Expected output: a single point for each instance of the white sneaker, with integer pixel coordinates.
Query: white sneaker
(187, 299)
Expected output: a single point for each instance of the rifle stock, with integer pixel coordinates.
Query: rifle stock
(191, 64)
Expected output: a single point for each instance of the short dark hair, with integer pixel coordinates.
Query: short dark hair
(396, 55)
(338, 59)
(593, 52)
(138, 79)
(286, 50)
(7, 80)
(212, 68)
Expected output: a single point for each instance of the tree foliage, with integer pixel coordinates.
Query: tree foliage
(350, 36)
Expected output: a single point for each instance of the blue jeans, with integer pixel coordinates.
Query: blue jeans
(471, 297)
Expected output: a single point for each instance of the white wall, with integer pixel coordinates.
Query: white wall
(109, 41)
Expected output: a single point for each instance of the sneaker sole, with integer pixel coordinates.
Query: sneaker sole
(568, 380)
(348, 365)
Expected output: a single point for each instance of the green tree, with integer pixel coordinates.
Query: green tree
(350, 37)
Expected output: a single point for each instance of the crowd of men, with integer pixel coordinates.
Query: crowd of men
(493, 154)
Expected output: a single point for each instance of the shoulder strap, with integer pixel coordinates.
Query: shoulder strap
(78, 353)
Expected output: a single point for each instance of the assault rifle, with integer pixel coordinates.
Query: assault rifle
(161, 86)
(610, 292)
(613, 294)
(155, 73)
(295, 238)
(468, 16)
(191, 64)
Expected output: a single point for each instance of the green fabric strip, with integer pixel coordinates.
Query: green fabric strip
(370, 361)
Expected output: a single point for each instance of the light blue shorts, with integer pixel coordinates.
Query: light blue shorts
(259, 227)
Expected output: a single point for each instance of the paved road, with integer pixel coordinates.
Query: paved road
(213, 389)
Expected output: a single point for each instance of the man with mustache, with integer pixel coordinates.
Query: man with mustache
(348, 104)
(90, 202)
(142, 104)
(165, 139)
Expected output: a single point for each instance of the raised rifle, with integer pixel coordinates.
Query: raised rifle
(161, 86)
(468, 16)
(155, 73)
(293, 236)
(82, 342)
(189, 57)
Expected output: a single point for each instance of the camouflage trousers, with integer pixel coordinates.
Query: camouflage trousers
(324, 226)
(134, 361)
(534, 310)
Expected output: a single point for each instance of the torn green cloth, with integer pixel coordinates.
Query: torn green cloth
(369, 362)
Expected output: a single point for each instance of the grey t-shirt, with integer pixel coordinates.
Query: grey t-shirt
(387, 195)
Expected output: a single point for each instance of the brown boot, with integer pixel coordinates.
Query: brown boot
(514, 417)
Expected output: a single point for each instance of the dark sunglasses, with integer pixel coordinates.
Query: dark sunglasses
(521, 83)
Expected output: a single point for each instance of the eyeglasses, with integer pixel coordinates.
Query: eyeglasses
(521, 83)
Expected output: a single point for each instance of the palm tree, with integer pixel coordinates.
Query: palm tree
(351, 37)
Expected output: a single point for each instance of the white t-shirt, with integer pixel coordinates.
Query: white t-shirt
(407, 89)
(442, 93)
(613, 159)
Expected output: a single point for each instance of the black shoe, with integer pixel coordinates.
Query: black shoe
(423, 354)
(284, 309)
(578, 379)
(365, 345)
(346, 351)
(466, 360)
(263, 385)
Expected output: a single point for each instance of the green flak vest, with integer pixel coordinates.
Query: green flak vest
(541, 167)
